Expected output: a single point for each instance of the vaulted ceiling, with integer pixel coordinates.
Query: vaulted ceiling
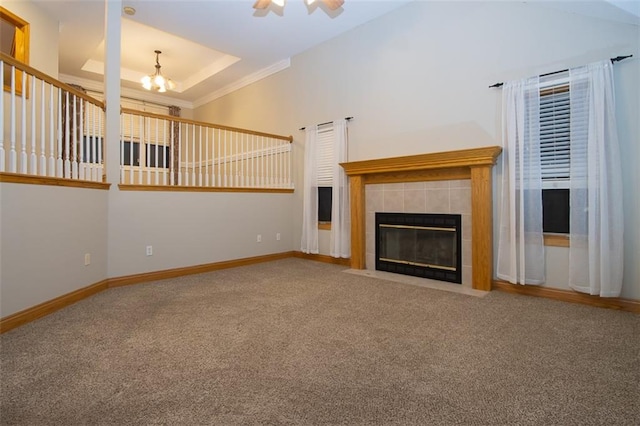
(210, 48)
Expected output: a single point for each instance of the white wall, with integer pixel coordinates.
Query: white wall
(417, 80)
(45, 232)
(194, 228)
(43, 35)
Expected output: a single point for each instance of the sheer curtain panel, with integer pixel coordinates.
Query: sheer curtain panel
(520, 257)
(596, 218)
(310, 192)
(340, 216)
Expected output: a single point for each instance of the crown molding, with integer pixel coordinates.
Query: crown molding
(98, 86)
(165, 100)
(243, 82)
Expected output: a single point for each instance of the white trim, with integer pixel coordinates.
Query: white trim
(243, 82)
(97, 86)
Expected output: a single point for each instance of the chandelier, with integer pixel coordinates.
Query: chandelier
(157, 81)
(263, 4)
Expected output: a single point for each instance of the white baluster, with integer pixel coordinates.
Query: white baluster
(59, 160)
(262, 161)
(130, 177)
(89, 140)
(216, 156)
(276, 163)
(74, 139)
(156, 153)
(140, 148)
(171, 167)
(95, 140)
(234, 164)
(186, 154)
(94, 143)
(163, 153)
(13, 159)
(289, 154)
(276, 159)
(269, 155)
(80, 141)
(246, 169)
(147, 150)
(180, 154)
(123, 118)
(254, 162)
(240, 157)
(224, 156)
(199, 154)
(67, 162)
(43, 132)
(193, 153)
(100, 142)
(33, 159)
(23, 126)
(274, 169)
(51, 170)
(206, 159)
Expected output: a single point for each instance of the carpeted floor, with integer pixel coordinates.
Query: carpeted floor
(303, 343)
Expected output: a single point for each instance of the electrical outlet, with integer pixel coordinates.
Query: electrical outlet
(149, 250)
(259, 238)
(87, 259)
(278, 236)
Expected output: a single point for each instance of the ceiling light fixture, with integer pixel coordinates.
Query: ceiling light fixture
(263, 4)
(128, 10)
(156, 81)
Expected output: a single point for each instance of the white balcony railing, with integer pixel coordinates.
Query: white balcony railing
(47, 127)
(52, 129)
(163, 150)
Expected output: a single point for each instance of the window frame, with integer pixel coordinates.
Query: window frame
(20, 47)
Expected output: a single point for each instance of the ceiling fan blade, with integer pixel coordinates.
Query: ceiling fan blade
(261, 4)
(333, 4)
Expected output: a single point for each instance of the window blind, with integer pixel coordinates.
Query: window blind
(132, 127)
(325, 155)
(555, 148)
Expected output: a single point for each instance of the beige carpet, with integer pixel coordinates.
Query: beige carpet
(297, 342)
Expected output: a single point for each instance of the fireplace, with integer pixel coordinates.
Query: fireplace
(421, 245)
(474, 164)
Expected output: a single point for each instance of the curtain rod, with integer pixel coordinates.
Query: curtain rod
(616, 59)
(328, 122)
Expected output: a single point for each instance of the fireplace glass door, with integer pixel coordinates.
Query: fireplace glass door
(422, 245)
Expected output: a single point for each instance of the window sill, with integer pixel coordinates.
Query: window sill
(325, 226)
(556, 240)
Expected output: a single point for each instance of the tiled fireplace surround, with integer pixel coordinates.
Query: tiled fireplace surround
(445, 196)
(457, 182)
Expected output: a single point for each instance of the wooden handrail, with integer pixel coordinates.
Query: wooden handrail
(45, 77)
(202, 123)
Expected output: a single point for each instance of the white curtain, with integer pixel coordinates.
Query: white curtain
(340, 216)
(310, 192)
(520, 257)
(596, 219)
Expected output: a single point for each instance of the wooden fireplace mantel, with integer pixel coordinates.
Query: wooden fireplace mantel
(474, 164)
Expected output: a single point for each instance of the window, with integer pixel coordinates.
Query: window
(149, 156)
(14, 41)
(130, 158)
(555, 156)
(146, 141)
(325, 172)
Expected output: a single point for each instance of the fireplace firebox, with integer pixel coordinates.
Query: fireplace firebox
(421, 245)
